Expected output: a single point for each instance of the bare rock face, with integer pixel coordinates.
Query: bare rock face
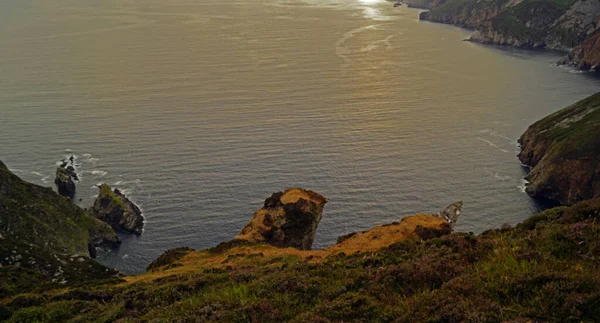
(288, 219)
(117, 210)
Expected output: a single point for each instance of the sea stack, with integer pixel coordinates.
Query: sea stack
(114, 208)
(64, 181)
(287, 219)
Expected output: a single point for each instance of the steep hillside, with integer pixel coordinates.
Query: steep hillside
(563, 151)
(47, 236)
(467, 13)
(544, 270)
(556, 24)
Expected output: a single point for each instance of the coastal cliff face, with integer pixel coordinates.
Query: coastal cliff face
(563, 151)
(560, 25)
(585, 56)
(46, 235)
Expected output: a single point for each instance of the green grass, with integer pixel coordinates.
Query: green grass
(546, 269)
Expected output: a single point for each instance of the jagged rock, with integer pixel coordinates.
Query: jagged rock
(451, 212)
(563, 152)
(64, 182)
(117, 210)
(288, 219)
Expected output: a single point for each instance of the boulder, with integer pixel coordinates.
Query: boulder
(287, 219)
(117, 210)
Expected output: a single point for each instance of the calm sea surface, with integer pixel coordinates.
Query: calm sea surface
(201, 109)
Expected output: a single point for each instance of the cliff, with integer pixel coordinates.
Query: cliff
(561, 24)
(47, 236)
(563, 151)
(585, 56)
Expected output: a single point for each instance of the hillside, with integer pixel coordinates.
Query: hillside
(556, 24)
(563, 151)
(545, 269)
(45, 239)
(413, 270)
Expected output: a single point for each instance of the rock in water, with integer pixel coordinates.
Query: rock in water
(64, 182)
(451, 212)
(117, 210)
(288, 219)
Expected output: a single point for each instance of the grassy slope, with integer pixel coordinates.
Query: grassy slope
(576, 139)
(40, 231)
(546, 269)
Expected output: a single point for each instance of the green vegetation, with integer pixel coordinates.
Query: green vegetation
(530, 20)
(44, 238)
(573, 130)
(545, 269)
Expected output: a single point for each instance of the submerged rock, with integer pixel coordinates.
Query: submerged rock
(117, 210)
(65, 183)
(288, 219)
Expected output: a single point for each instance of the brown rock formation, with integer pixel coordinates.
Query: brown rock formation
(288, 219)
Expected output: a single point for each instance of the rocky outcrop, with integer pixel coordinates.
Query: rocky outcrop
(117, 210)
(287, 219)
(563, 152)
(64, 181)
(585, 56)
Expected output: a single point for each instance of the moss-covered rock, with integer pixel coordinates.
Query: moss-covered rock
(117, 210)
(563, 151)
